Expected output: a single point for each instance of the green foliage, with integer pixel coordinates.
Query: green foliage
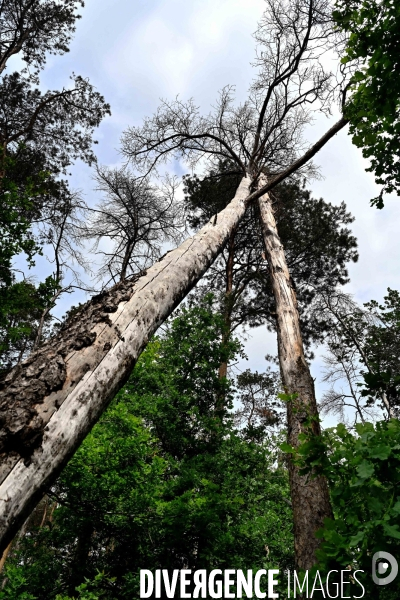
(17, 585)
(41, 135)
(382, 350)
(184, 378)
(28, 193)
(363, 472)
(18, 193)
(208, 196)
(89, 590)
(21, 307)
(164, 479)
(374, 106)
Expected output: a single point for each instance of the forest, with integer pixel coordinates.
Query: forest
(191, 379)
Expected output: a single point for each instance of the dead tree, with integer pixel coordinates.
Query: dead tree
(350, 326)
(136, 217)
(53, 399)
(310, 496)
(59, 229)
(49, 402)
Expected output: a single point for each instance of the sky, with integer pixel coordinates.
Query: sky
(136, 52)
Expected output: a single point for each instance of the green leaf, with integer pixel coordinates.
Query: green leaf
(287, 448)
(287, 397)
(392, 530)
(365, 469)
(382, 452)
(358, 76)
(356, 539)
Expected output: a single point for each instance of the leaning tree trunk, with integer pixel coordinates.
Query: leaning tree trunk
(51, 401)
(310, 497)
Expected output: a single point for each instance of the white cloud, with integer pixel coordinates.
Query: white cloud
(178, 46)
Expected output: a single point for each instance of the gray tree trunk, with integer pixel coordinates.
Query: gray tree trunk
(50, 402)
(310, 497)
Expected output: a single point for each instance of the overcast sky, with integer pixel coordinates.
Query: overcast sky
(136, 52)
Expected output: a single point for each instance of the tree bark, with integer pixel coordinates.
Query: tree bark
(51, 401)
(310, 497)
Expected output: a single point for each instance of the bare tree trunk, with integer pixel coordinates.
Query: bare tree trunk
(391, 412)
(51, 401)
(310, 497)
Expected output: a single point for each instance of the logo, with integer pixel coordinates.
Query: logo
(381, 561)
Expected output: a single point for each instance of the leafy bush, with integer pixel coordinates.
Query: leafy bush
(363, 471)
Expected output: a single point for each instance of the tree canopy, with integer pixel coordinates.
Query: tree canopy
(41, 135)
(373, 108)
(316, 235)
(36, 28)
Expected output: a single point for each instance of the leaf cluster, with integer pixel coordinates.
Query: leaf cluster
(21, 307)
(382, 350)
(36, 28)
(374, 105)
(363, 472)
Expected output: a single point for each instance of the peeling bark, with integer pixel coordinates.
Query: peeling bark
(50, 402)
(310, 497)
